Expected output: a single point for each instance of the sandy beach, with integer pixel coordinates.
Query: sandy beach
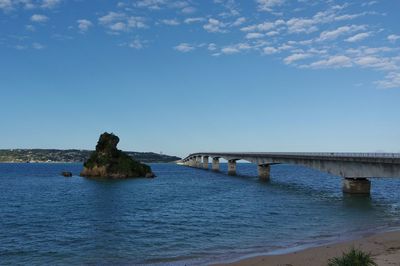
(384, 247)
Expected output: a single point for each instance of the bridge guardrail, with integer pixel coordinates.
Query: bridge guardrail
(307, 154)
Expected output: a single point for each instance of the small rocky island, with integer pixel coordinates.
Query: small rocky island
(109, 162)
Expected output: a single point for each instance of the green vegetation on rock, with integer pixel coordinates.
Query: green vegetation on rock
(354, 257)
(108, 161)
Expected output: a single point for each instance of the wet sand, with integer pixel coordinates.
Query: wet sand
(384, 247)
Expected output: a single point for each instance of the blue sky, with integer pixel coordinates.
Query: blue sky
(181, 76)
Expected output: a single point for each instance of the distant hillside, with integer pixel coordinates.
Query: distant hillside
(50, 155)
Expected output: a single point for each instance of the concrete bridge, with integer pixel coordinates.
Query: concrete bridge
(355, 168)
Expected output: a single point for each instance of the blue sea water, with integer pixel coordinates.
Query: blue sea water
(184, 216)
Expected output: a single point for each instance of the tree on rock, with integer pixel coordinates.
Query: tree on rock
(109, 162)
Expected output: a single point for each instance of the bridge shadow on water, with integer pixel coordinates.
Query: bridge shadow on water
(289, 178)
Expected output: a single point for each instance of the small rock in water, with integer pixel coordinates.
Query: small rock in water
(66, 174)
(150, 175)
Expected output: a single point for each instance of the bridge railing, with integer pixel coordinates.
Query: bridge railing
(340, 154)
(308, 154)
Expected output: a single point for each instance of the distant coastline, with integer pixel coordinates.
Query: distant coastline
(72, 156)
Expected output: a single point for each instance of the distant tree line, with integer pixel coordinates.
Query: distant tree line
(52, 155)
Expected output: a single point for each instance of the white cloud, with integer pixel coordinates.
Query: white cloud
(268, 5)
(177, 4)
(265, 26)
(193, 20)
(254, 35)
(137, 44)
(367, 51)
(212, 47)
(9, 5)
(161, 4)
(358, 37)
(333, 34)
(184, 47)
(38, 46)
(239, 21)
(236, 48)
(370, 3)
(6, 4)
(380, 63)
(122, 4)
(230, 6)
(230, 50)
(272, 33)
(284, 47)
(299, 25)
(30, 27)
(393, 37)
(350, 16)
(118, 26)
(84, 24)
(309, 25)
(39, 18)
(151, 4)
(27, 4)
(375, 50)
(336, 61)
(121, 22)
(170, 22)
(111, 17)
(392, 80)
(270, 50)
(214, 25)
(50, 3)
(295, 57)
(136, 22)
(188, 10)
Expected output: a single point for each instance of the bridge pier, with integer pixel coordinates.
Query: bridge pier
(264, 171)
(215, 164)
(198, 161)
(205, 162)
(356, 186)
(232, 167)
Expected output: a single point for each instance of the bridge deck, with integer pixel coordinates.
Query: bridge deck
(348, 165)
(341, 156)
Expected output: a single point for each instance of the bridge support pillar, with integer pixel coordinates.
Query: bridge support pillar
(357, 186)
(192, 162)
(205, 162)
(215, 164)
(198, 161)
(263, 172)
(232, 167)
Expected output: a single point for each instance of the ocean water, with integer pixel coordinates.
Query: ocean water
(184, 216)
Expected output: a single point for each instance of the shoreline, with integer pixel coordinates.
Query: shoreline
(383, 246)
